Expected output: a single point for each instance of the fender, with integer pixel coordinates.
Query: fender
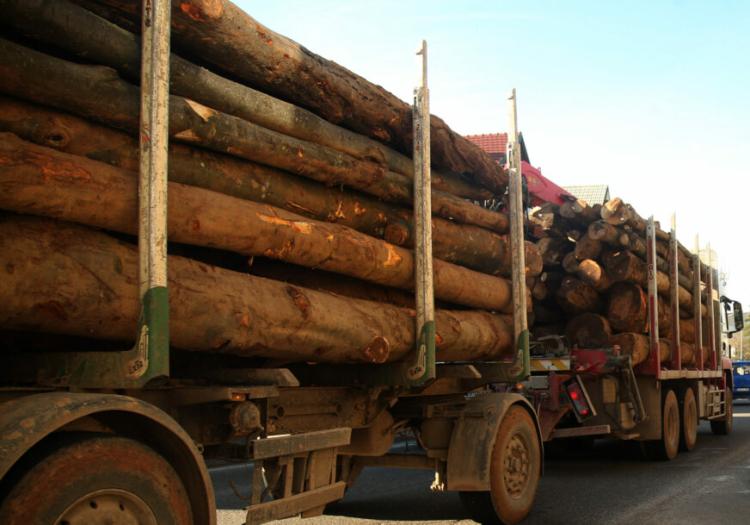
(26, 421)
(473, 439)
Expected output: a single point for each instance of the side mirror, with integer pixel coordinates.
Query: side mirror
(734, 320)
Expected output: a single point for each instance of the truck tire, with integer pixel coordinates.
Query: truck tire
(688, 420)
(97, 479)
(723, 427)
(668, 446)
(514, 473)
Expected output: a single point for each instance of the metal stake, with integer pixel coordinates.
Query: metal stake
(518, 254)
(697, 316)
(653, 302)
(674, 301)
(424, 366)
(153, 334)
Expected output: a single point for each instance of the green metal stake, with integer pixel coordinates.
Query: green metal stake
(149, 358)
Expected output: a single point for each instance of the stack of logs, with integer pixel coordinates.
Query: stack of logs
(594, 287)
(278, 158)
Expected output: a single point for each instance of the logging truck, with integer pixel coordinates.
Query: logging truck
(281, 310)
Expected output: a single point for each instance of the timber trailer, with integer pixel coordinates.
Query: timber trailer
(96, 436)
(586, 393)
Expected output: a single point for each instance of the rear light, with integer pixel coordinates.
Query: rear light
(579, 399)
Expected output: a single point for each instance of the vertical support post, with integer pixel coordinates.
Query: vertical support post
(653, 302)
(152, 356)
(697, 316)
(423, 368)
(518, 254)
(710, 305)
(674, 301)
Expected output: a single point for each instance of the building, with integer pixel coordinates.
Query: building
(592, 194)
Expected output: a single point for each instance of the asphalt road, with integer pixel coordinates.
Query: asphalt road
(610, 485)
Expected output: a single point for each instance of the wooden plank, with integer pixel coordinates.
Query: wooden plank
(287, 445)
(293, 505)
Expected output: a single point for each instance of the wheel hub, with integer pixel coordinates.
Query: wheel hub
(516, 472)
(108, 507)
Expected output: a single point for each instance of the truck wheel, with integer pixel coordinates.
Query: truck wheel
(688, 420)
(723, 427)
(98, 480)
(514, 473)
(668, 446)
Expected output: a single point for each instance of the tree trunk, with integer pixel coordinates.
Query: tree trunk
(58, 23)
(553, 249)
(223, 35)
(467, 245)
(47, 182)
(637, 346)
(591, 272)
(587, 248)
(576, 297)
(588, 330)
(603, 231)
(98, 94)
(72, 280)
(624, 266)
(627, 310)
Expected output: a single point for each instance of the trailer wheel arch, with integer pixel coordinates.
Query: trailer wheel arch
(473, 439)
(29, 422)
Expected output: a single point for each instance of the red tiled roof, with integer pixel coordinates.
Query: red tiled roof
(491, 142)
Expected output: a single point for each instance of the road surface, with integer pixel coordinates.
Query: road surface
(610, 485)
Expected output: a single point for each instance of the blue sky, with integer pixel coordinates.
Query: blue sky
(652, 98)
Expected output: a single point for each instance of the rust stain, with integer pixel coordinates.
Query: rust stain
(298, 226)
(378, 350)
(300, 300)
(393, 257)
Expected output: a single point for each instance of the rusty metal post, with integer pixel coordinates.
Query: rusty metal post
(518, 254)
(153, 331)
(423, 368)
(674, 301)
(653, 301)
(711, 315)
(697, 316)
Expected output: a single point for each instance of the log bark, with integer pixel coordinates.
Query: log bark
(603, 231)
(553, 249)
(579, 212)
(72, 280)
(47, 182)
(58, 23)
(588, 330)
(625, 266)
(97, 93)
(592, 273)
(627, 310)
(637, 346)
(587, 248)
(576, 297)
(467, 245)
(233, 42)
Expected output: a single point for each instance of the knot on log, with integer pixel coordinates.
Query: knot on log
(300, 300)
(202, 10)
(378, 350)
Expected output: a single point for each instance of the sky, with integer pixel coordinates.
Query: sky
(651, 98)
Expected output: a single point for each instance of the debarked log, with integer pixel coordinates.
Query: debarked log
(97, 93)
(223, 35)
(72, 280)
(43, 181)
(59, 23)
(637, 346)
(463, 244)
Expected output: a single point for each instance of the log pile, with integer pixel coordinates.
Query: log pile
(596, 280)
(279, 159)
